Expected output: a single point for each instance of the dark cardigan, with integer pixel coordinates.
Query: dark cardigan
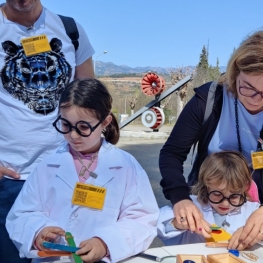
(187, 131)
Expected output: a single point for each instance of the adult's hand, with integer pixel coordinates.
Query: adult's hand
(252, 231)
(188, 215)
(8, 172)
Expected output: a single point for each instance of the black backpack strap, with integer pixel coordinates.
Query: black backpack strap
(208, 107)
(71, 29)
(210, 100)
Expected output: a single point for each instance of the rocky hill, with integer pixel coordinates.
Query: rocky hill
(108, 68)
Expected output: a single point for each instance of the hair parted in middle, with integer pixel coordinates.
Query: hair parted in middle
(229, 168)
(92, 95)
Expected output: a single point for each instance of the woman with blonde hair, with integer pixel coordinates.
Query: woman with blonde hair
(235, 123)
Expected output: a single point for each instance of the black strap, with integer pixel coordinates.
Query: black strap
(210, 100)
(71, 29)
(208, 107)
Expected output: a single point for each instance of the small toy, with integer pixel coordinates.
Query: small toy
(214, 227)
(249, 256)
(60, 247)
(234, 252)
(217, 244)
(218, 234)
(61, 250)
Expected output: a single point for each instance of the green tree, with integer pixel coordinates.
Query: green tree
(203, 63)
(205, 73)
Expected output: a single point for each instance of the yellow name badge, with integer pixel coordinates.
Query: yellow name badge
(257, 160)
(89, 195)
(35, 45)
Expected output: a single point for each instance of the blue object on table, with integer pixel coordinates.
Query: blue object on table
(188, 261)
(60, 247)
(234, 252)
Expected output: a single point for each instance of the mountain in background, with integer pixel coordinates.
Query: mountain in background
(108, 68)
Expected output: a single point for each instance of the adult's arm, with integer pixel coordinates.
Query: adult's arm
(84, 64)
(253, 230)
(85, 70)
(172, 157)
(177, 147)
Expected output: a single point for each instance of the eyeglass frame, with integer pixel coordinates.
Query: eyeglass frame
(92, 129)
(253, 89)
(227, 198)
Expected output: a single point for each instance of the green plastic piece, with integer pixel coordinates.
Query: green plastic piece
(71, 243)
(215, 227)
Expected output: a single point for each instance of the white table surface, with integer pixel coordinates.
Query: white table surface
(193, 249)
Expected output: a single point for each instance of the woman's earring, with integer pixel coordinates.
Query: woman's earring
(104, 129)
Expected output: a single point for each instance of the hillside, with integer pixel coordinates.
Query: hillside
(108, 68)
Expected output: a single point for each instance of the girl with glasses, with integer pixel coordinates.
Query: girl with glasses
(88, 187)
(235, 122)
(222, 196)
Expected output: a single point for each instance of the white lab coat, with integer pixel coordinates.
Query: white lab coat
(173, 236)
(127, 223)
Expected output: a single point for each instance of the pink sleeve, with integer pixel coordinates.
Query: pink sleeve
(253, 192)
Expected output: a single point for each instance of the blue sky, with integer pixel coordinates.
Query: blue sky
(165, 33)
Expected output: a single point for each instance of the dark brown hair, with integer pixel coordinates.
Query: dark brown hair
(91, 94)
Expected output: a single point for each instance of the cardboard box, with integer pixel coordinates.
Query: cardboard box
(196, 258)
(224, 258)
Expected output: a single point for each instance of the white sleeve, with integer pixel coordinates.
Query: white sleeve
(26, 217)
(165, 229)
(85, 49)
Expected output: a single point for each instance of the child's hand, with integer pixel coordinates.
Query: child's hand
(48, 234)
(92, 250)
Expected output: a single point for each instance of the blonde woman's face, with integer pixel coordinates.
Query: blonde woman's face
(250, 92)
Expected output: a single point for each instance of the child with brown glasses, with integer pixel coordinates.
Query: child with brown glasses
(221, 194)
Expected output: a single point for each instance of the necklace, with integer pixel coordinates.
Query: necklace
(237, 127)
(85, 168)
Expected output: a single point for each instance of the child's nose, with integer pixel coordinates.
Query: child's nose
(74, 134)
(225, 202)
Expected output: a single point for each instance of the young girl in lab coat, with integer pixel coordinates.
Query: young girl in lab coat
(221, 194)
(88, 187)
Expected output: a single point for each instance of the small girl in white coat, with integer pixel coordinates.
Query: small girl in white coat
(88, 187)
(221, 194)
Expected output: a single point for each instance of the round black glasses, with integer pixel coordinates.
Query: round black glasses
(217, 197)
(83, 128)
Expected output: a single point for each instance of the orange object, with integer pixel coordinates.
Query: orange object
(53, 253)
(219, 235)
(152, 84)
(216, 244)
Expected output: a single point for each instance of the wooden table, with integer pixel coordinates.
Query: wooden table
(196, 249)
